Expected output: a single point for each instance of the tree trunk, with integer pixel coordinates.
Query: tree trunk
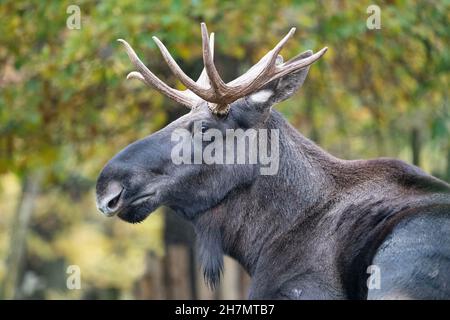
(447, 174)
(310, 111)
(151, 285)
(176, 264)
(19, 228)
(415, 146)
(230, 284)
(244, 282)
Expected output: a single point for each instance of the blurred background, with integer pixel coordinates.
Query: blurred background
(66, 109)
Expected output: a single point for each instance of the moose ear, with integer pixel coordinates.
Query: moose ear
(281, 89)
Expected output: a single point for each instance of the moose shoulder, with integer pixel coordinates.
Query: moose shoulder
(311, 229)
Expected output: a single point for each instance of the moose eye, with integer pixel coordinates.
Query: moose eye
(204, 128)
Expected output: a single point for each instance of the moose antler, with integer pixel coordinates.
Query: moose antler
(210, 87)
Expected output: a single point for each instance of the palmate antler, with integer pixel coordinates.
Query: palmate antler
(210, 87)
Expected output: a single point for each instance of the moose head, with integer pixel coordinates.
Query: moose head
(143, 176)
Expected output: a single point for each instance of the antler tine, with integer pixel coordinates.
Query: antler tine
(216, 81)
(145, 75)
(298, 57)
(203, 80)
(257, 76)
(294, 64)
(276, 50)
(205, 93)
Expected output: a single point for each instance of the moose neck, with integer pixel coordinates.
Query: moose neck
(251, 215)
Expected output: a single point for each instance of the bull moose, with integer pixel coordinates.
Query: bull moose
(310, 231)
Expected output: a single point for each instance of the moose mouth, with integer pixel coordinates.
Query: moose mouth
(139, 208)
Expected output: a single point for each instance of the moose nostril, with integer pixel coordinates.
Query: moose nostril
(114, 201)
(110, 199)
